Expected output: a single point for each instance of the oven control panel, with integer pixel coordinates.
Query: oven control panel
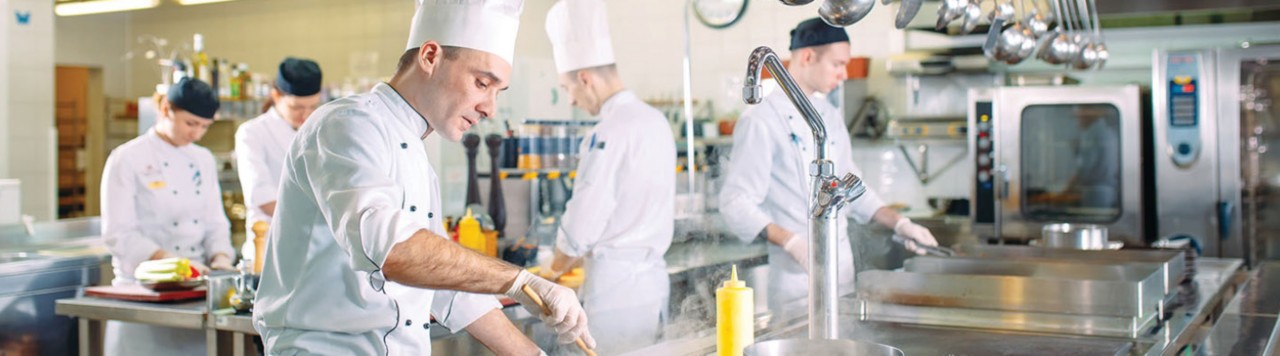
(984, 157)
(1183, 80)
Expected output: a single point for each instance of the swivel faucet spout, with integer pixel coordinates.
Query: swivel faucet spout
(763, 58)
(830, 193)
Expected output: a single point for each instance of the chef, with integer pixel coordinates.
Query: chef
(357, 262)
(262, 142)
(767, 188)
(620, 218)
(161, 199)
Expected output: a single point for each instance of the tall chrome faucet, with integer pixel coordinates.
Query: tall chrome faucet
(830, 194)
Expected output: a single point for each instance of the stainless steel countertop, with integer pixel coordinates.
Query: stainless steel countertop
(695, 255)
(1216, 277)
(186, 315)
(1249, 324)
(241, 323)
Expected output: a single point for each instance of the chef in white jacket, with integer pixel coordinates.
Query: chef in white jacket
(767, 187)
(262, 142)
(620, 218)
(161, 199)
(357, 262)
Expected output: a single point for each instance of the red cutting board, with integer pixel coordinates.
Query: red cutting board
(142, 294)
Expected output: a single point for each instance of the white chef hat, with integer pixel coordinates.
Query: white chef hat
(485, 25)
(579, 32)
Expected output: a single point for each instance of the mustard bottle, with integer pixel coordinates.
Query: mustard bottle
(735, 312)
(469, 234)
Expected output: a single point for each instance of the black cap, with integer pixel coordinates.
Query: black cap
(298, 77)
(815, 32)
(194, 96)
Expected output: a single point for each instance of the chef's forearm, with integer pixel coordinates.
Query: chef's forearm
(886, 217)
(496, 333)
(777, 235)
(269, 208)
(429, 261)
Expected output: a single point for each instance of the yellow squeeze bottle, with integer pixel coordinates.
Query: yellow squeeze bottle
(734, 315)
(469, 234)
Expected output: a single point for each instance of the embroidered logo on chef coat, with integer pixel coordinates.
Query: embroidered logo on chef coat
(197, 179)
(595, 145)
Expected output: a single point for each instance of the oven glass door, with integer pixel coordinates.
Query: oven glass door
(1071, 162)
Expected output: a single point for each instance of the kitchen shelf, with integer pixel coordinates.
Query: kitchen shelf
(531, 174)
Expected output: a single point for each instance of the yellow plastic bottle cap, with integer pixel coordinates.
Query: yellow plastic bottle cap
(733, 281)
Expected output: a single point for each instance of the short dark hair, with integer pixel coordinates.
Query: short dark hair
(410, 55)
(610, 69)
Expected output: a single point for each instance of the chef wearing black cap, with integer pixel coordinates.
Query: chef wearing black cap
(261, 143)
(761, 196)
(161, 199)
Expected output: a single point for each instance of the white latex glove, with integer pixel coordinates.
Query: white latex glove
(798, 247)
(567, 317)
(915, 234)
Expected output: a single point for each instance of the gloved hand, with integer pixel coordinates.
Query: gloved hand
(798, 247)
(222, 263)
(914, 234)
(566, 315)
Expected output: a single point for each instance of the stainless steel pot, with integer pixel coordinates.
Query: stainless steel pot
(820, 347)
(1074, 236)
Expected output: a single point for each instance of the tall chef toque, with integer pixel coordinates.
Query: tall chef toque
(485, 25)
(579, 33)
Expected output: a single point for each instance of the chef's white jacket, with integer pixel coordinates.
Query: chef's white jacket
(768, 181)
(156, 196)
(356, 182)
(621, 218)
(260, 147)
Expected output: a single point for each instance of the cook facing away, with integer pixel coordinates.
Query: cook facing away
(621, 217)
(765, 192)
(356, 261)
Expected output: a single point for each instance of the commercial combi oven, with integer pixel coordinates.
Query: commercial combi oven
(1057, 154)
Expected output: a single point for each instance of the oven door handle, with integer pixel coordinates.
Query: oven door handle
(1225, 209)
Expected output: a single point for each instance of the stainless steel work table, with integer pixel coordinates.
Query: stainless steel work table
(92, 313)
(1218, 279)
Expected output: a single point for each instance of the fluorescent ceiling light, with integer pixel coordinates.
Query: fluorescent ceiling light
(199, 2)
(101, 6)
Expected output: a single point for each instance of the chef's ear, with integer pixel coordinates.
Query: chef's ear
(164, 108)
(430, 55)
(583, 77)
(804, 56)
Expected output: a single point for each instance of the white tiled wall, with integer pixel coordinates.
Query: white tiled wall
(27, 115)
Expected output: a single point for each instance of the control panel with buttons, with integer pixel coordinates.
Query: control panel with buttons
(984, 153)
(1183, 76)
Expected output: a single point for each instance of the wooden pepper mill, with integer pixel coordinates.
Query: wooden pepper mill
(497, 206)
(472, 143)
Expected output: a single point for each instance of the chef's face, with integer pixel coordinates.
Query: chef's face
(464, 89)
(294, 109)
(576, 84)
(182, 127)
(826, 66)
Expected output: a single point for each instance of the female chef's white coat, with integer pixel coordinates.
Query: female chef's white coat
(768, 181)
(157, 196)
(260, 147)
(356, 182)
(621, 218)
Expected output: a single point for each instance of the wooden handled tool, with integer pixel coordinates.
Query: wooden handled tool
(538, 300)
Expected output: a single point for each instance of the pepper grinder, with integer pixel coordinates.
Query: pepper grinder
(472, 143)
(497, 206)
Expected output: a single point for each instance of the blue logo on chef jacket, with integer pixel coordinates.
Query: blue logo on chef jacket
(24, 18)
(197, 178)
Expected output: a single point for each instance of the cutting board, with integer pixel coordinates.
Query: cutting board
(142, 294)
